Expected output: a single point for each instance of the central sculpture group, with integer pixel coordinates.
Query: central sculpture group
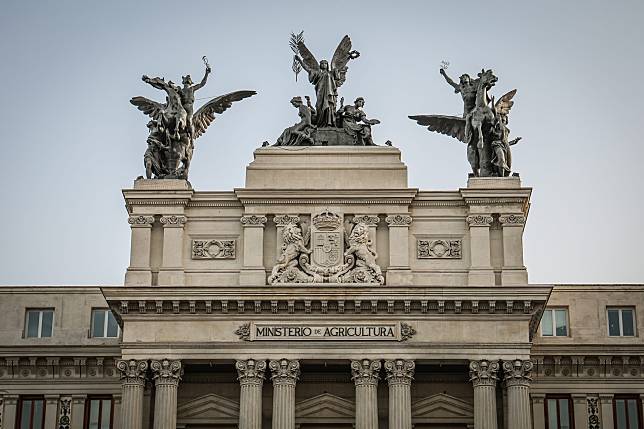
(174, 127)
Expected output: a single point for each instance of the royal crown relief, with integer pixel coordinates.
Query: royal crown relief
(327, 251)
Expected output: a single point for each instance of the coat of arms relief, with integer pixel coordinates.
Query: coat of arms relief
(326, 252)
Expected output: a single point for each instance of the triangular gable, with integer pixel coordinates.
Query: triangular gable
(326, 406)
(208, 407)
(442, 408)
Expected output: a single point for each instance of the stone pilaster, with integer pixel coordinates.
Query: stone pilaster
(517, 383)
(538, 411)
(481, 273)
(171, 271)
(483, 375)
(606, 401)
(132, 387)
(116, 416)
(580, 411)
(251, 379)
(365, 374)
(513, 272)
(51, 411)
(284, 375)
(139, 272)
(280, 222)
(398, 271)
(78, 412)
(400, 373)
(166, 376)
(10, 411)
(253, 272)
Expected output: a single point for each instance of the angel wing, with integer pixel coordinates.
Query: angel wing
(206, 113)
(341, 56)
(505, 103)
(453, 126)
(310, 63)
(149, 107)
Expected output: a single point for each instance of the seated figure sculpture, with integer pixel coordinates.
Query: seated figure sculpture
(355, 123)
(300, 133)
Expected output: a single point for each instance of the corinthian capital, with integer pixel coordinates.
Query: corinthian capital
(365, 371)
(253, 220)
(484, 372)
(400, 371)
(141, 221)
(173, 221)
(517, 372)
(479, 220)
(132, 371)
(398, 220)
(166, 371)
(250, 371)
(285, 371)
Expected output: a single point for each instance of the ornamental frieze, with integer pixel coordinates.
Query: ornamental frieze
(213, 249)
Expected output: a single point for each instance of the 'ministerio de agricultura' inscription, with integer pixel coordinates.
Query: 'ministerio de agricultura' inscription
(259, 331)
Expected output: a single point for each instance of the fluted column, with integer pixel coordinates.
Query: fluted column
(483, 375)
(284, 375)
(251, 379)
(132, 387)
(517, 382)
(166, 375)
(366, 375)
(400, 373)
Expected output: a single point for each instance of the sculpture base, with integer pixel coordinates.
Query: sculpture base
(329, 136)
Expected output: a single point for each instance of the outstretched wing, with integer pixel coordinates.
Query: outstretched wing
(452, 126)
(149, 107)
(206, 114)
(505, 103)
(307, 57)
(341, 55)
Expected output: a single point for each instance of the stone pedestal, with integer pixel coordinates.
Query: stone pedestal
(398, 272)
(132, 387)
(253, 272)
(481, 273)
(171, 271)
(284, 375)
(483, 375)
(167, 375)
(365, 376)
(51, 411)
(513, 272)
(139, 273)
(517, 383)
(251, 379)
(399, 376)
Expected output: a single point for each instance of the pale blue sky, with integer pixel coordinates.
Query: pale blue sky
(71, 141)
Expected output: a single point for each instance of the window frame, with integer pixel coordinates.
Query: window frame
(21, 402)
(638, 406)
(571, 411)
(88, 405)
(40, 317)
(107, 313)
(621, 321)
(552, 311)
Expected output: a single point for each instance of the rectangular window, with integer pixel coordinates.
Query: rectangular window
(621, 322)
(104, 324)
(39, 323)
(31, 413)
(554, 322)
(558, 412)
(98, 413)
(627, 412)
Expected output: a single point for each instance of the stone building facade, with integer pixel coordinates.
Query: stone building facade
(326, 293)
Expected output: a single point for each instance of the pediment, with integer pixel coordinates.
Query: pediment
(442, 406)
(327, 406)
(209, 406)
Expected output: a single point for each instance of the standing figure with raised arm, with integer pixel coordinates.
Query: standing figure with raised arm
(187, 93)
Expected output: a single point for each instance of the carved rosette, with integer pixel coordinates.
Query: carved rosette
(253, 220)
(406, 331)
(398, 220)
(479, 220)
(166, 372)
(517, 372)
(369, 220)
(243, 332)
(484, 372)
(132, 371)
(250, 372)
(439, 249)
(512, 220)
(176, 221)
(284, 371)
(400, 371)
(213, 249)
(365, 372)
(282, 220)
(141, 221)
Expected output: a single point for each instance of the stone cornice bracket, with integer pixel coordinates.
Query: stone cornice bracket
(253, 220)
(251, 371)
(132, 371)
(484, 372)
(517, 372)
(400, 371)
(398, 220)
(369, 220)
(141, 221)
(285, 371)
(166, 371)
(365, 372)
(512, 220)
(282, 220)
(177, 221)
(479, 220)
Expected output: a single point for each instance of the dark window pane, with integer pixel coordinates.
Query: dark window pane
(32, 323)
(620, 414)
(561, 323)
(546, 323)
(98, 324)
(106, 411)
(25, 416)
(633, 416)
(112, 326)
(564, 414)
(47, 323)
(93, 413)
(627, 323)
(38, 414)
(552, 414)
(613, 323)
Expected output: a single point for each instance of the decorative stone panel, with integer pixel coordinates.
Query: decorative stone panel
(65, 413)
(439, 249)
(213, 249)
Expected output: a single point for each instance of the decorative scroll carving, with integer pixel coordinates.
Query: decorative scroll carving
(253, 220)
(365, 372)
(479, 220)
(593, 412)
(166, 371)
(250, 371)
(484, 372)
(285, 371)
(369, 220)
(400, 371)
(406, 331)
(283, 220)
(140, 221)
(132, 371)
(512, 220)
(65, 413)
(439, 249)
(398, 220)
(213, 249)
(173, 221)
(243, 332)
(517, 372)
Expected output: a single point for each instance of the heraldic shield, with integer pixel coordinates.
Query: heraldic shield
(327, 240)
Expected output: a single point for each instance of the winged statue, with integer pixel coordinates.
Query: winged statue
(173, 127)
